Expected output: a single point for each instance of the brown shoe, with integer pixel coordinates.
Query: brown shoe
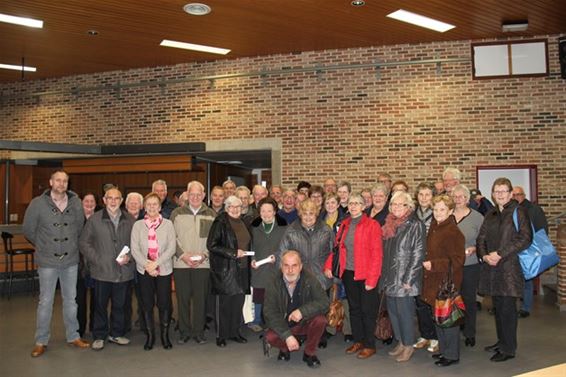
(38, 350)
(397, 350)
(405, 354)
(354, 348)
(79, 343)
(365, 353)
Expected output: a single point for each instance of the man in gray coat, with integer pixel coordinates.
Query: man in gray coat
(53, 223)
(105, 236)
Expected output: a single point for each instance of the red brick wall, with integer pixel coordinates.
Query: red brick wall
(350, 124)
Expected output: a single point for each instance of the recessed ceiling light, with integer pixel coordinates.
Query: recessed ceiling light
(422, 21)
(194, 47)
(358, 3)
(18, 67)
(197, 9)
(92, 32)
(21, 21)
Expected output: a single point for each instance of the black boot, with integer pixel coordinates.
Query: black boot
(150, 331)
(165, 323)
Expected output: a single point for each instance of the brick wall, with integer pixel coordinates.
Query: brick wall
(409, 120)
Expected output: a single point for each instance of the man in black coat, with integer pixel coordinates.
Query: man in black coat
(295, 304)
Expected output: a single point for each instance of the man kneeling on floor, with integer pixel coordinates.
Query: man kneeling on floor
(295, 305)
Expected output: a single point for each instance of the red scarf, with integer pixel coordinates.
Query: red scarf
(152, 245)
(392, 223)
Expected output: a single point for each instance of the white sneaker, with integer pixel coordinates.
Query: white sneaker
(97, 345)
(433, 346)
(119, 340)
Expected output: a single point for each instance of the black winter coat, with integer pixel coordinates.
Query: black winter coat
(498, 233)
(227, 277)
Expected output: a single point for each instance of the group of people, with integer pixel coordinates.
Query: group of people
(394, 251)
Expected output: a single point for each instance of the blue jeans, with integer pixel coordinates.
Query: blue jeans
(528, 296)
(48, 278)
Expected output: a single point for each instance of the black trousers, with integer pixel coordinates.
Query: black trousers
(191, 287)
(85, 307)
(156, 290)
(229, 315)
(363, 309)
(469, 290)
(427, 328)
(506, 323)
(115, 293)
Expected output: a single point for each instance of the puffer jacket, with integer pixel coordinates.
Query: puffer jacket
(403, 255)
(314, 302)
(315, 247)
(444, 249)
(225, 272)
(498, 233)
(100, 243)
(54, 234)
(265, 244)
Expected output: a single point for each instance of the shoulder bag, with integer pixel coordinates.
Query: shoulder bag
(336, 255)
(449, 309)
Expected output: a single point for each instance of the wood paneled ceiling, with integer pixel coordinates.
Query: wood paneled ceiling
(129, 32)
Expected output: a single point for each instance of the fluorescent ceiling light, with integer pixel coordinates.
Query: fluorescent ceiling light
(191, 46)
(518, 26)
(18, 67)
(21, 21)
(422, 21)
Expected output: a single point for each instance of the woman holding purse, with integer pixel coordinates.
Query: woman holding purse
(444, 254)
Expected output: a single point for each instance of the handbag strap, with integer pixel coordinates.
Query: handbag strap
(381, 302)
(340, 235)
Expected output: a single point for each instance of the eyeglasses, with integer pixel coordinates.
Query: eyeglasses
(235, 207)
(399, 204)
(355, 204)
(501, 192)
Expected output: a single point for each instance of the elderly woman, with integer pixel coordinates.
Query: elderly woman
(316, 194)
(153, 245)
(444, 253)
(427, 330)
(360, 267)
(379, 209)
(228, 241)
(401, 274)
(366, 194)
(498, 245)
(288, 210)
(314, 240)
(133, 205)
(469, 222)
(267, 231)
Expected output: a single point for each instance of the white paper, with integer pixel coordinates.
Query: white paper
(195, 258)
(249, 253)
(125, 250)
(263, 261)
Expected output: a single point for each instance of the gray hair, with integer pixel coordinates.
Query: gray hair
(405, 196)
(288, 252)
(463, 189)
(455, 173)
(232, 200)
(260, 187)
(195, 183)
(356, 197)
(379, 187)
(132, 195)
(243, 188)
(158, 182)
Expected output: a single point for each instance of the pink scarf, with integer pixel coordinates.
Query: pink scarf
(392, 223)
(152, 245)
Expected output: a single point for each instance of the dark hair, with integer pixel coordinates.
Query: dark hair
(502, 182)
(316, 188)
(267, 200)
(303, 184)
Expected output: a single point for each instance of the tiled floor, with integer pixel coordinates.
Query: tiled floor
(542, 343)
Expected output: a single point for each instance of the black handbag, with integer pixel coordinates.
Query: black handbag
(336, 255)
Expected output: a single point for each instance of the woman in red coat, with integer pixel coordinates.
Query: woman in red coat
(359, 238)
(444, 251)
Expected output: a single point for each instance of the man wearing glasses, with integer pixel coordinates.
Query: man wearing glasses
(105, 243)
(53, 223)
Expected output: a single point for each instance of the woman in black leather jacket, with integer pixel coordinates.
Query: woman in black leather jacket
(227, 242)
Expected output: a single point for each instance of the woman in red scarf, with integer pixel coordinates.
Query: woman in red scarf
(153, 246)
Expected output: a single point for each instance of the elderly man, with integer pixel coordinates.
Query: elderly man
(217, 199)
(249, 213)
(191, 267)
(451, 177)
(295, 305)
(330, 186)
(276, 193)
(167, 206)
(289, 211)
(53, 223)
(538, 219)
(105, 243)
(229, 187)
(258, 192)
